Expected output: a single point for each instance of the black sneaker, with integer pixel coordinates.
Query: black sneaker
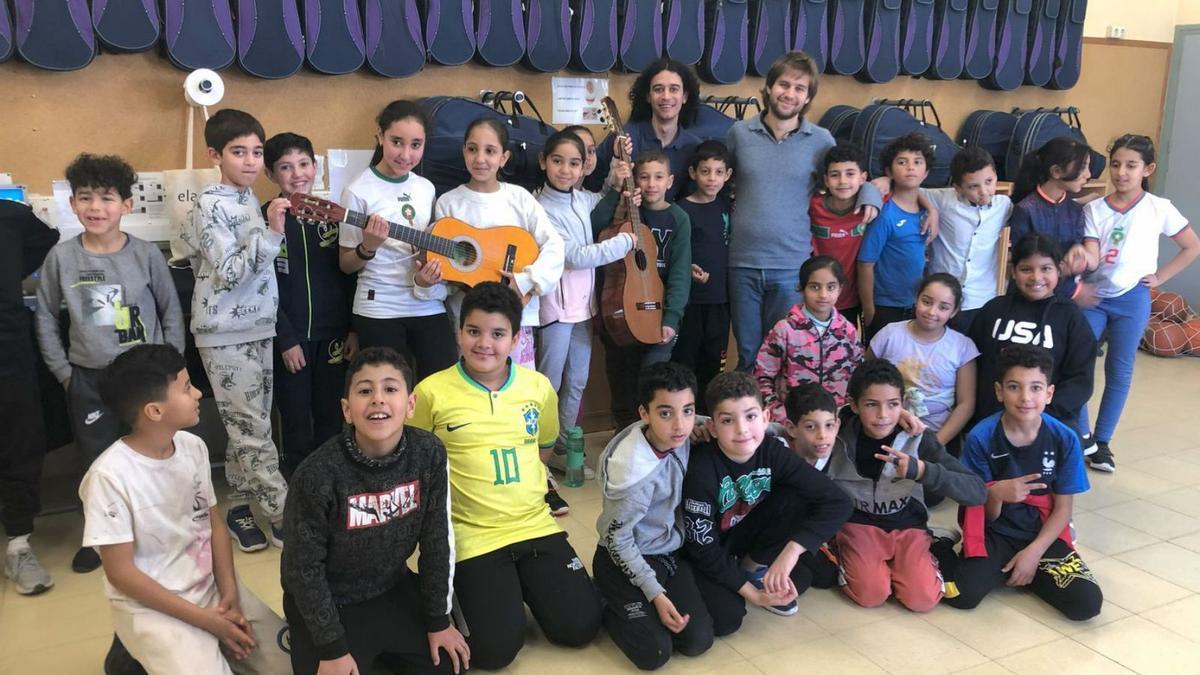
(756, 579)
(86, 560)
(244, 530)
(1102, 458)
(942, 549)
(558, 505)
(1089, 444)
(120, 662)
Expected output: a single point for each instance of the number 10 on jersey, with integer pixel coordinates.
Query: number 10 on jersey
(504, 460)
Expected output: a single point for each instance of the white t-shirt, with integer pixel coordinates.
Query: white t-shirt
(162, 507)
(930, 369)
(1128, 240)
(385, 284)
(511, 205)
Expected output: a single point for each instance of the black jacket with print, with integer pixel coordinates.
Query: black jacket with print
(315, 296)
(718, 493)
(351, 524)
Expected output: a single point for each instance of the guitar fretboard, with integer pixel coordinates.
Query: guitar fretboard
(408, 235)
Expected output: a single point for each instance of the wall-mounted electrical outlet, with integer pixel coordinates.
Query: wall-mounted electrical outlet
(1117, 32)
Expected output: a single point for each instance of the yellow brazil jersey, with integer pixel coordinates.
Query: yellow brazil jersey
(492, 439)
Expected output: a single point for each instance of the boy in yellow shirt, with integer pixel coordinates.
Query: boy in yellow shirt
(494, 417)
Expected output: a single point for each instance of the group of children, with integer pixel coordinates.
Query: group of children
(813, 465)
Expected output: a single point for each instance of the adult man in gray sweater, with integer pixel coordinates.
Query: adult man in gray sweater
(775, 155)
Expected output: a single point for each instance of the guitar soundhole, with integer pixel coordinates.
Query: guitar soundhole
(464, 253)
(639, 257)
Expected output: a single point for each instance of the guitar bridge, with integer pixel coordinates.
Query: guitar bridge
(649, 306)
(510, 258)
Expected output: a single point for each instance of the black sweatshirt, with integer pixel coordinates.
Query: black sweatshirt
(1054, 323)
(718, 493)
(351, 524)
(314, 294)
(24, 243)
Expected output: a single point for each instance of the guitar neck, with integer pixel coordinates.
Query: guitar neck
(635, 216)
(408, 235)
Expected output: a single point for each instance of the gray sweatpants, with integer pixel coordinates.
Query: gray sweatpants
(564, 355)
(242, 376)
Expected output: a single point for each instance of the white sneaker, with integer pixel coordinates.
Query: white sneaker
(559, 463)
(26, 572)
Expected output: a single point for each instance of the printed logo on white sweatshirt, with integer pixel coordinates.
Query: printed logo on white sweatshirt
(372, 509)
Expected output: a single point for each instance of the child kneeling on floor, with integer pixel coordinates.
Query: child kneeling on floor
(652, 603)
(1033, 466)
(363, 503)
(150, 509)
(885, 546)
(751, 509)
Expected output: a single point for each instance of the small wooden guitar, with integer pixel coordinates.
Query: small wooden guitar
(469, 255)
(631, 300)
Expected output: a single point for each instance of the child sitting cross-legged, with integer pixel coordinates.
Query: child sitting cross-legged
(652, 603)
(362, 503)
(1033, 466)
(885, 546)
(751, 509)
(150, 509)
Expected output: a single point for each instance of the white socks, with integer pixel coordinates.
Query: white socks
(16, 544)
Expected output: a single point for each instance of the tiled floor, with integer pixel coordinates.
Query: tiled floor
(1139, 530)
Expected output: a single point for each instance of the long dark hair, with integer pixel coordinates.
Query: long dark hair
(495, 125)
(1142, 145)
(1064, 152)
(639, 110)
(1036, 244)
(564, 137)
(947, 280)
(392, 113)
(821, 262)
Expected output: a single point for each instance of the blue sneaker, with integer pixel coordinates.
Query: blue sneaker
(756, 578)
(277, 535)
(244, 530)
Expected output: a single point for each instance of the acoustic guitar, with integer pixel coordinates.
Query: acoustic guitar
(469, 255)
(631, 299)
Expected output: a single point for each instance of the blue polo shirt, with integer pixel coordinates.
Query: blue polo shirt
(895, 244)
(642, 135)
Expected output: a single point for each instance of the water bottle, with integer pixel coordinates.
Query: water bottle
(574, 476)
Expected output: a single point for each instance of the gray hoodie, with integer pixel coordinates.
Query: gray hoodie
(640, 516)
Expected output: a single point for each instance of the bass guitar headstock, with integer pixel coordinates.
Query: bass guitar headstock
(314, 209)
